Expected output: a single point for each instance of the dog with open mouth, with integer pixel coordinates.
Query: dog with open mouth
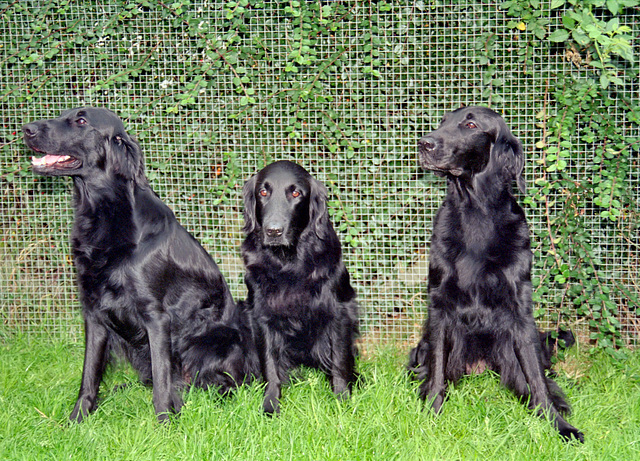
(148, 289)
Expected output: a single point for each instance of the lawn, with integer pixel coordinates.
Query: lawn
(383, 420)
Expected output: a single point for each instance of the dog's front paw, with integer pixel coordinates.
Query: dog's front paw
(165, 407)
(271, 405)
(572, 433)
(341, 387)
(82, 409)
(436, 402)
(433, 397)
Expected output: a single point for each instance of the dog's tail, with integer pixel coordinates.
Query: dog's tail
(222, 356)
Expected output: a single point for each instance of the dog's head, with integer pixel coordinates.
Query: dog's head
(81, 141)
(281, 202)
(473, 141)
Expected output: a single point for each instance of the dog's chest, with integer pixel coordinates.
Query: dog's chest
(465, 235)
(283, 293)
(484, 234)
(484, 255)
(113, 306)
(106, 287)
(479, 236)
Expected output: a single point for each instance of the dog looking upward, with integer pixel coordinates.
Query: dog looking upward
(147, 287)
(480, 314)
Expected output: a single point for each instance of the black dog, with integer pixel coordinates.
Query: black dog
(480, 270)
(147, 287)
(302, 302)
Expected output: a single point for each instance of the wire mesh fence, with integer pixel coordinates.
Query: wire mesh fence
(214, 91)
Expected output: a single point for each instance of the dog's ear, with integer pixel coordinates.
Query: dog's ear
(249, 196)
(507, 151)
(318, 213)
(127, 158)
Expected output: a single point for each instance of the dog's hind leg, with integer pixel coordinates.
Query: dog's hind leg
(535, 384)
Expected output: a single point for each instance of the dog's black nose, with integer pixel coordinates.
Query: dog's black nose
(274, 231)
(30, 130)
(427, 143)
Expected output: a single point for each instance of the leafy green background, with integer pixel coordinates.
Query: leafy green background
(215, 90)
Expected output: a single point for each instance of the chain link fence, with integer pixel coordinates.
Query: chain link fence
(213, 91)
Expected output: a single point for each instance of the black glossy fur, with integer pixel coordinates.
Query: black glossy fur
(303, 305)
(480, 314)
(147, 287)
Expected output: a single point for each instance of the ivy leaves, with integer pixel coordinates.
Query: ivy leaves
(599, 39)
(595, 40)
(346, 88)
(585, 197)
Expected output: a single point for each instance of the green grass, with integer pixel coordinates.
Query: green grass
(383, 420)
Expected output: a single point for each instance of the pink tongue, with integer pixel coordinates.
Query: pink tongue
(48, 160)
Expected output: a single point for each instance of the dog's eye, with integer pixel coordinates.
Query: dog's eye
(118, 139)
(471, 125)
(81, 121)
(296, 194)
(263, 192)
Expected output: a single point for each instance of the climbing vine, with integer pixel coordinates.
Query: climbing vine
(347, 88)
(584, 195)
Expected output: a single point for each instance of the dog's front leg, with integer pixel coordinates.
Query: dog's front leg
(95, 360)
(165, 396)
(434, 387)
(342, 358)
(270, 372)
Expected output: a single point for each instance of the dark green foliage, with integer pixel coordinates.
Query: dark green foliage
(585, 200)
(215, 90)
